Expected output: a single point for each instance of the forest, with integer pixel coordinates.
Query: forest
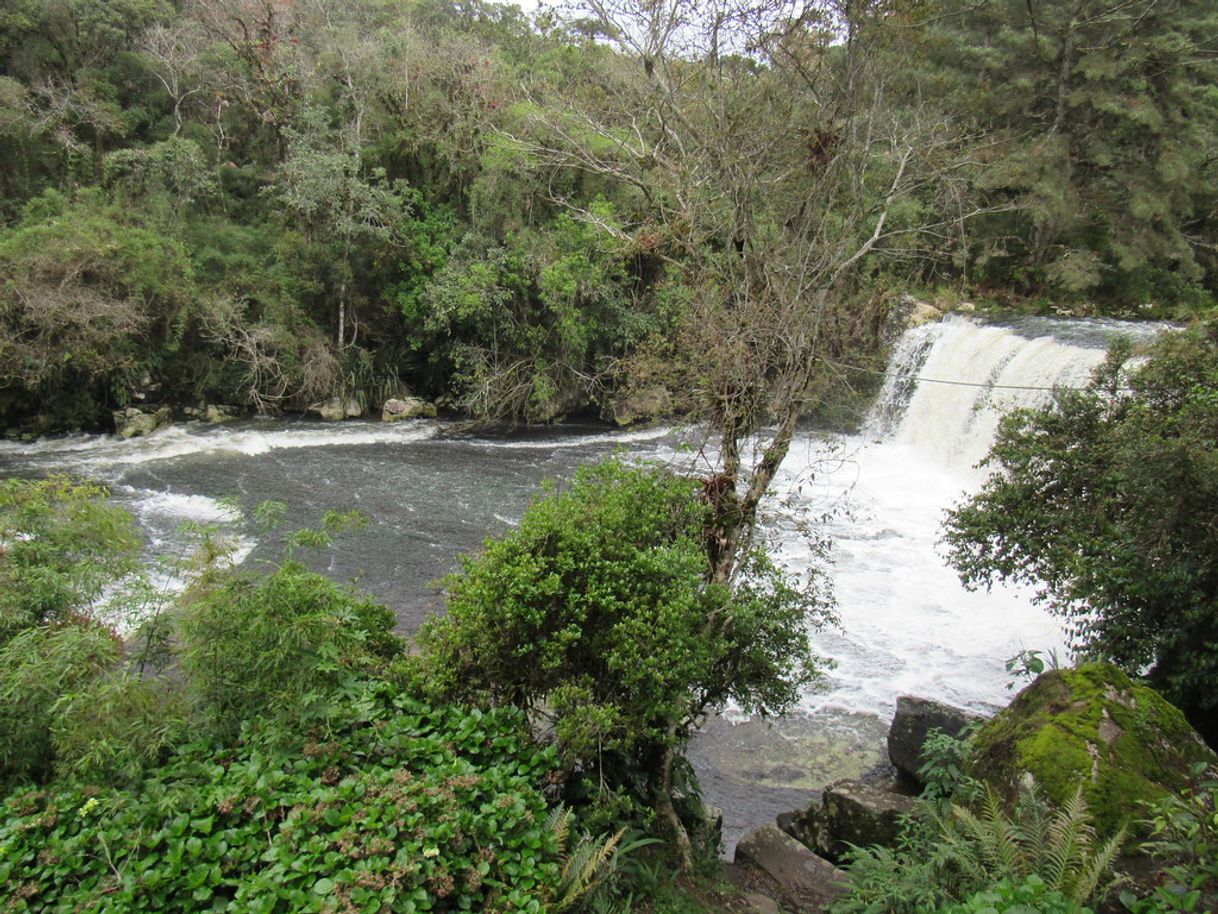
(269, 204)
(621, 211)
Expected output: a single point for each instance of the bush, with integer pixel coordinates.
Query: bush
(1184, 837)
(61, 545)
(278, 645)
(949, 854)
(395, 806)
(37, 668)
(1031, 896)
(596, 615)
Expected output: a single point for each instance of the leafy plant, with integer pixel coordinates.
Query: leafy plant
(1184, 837)
(948, 854)
(946, 760)
(278, 645)
(1031, 896)
(596, 614)
(61, 546)
(394, 806)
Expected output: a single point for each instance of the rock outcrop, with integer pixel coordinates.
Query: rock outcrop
(336, 409)
(849, 812)
(1123, 742)
(915, 719)
(407, 407)
(812, 880)
(132, 422)
(644, 405)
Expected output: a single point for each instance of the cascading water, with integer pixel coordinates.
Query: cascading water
(906, 624)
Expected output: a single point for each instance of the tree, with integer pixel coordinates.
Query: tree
(596, 614)
(767, 168)
(1104, 123)
(1105, 499)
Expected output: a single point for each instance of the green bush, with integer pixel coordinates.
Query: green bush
(394, 806)
(37, 668)
(595, 615)
(277, 645)
(61, 544)
(948, 854)
(1031, 896)
(1184, 838)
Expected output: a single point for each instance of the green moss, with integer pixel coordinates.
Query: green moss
(1092, 725)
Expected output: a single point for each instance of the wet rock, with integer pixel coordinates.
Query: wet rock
(1095, 727)
(132, 422)
(814, 881)
(913, 723)
(644, 405)
(336, 409)
(407, 408)
(218, 414)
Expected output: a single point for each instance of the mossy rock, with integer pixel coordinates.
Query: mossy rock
(1095, 726)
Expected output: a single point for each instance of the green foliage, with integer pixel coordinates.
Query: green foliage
(1032, 896)
(946, 763)
(278, 646)
(61, 546)
(395, 806)
(38, 666)
(1184, 840)
(596, 613)
(116, 726)
(1104, 499)
(948, 855)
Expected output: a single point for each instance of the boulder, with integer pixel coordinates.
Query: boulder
(919, 312)
(1094, 726)
(332, 410)
(913, 723)
(850, 812)
(407, 408)
(337, 408)
(219, 414)
(132, 422)
(643, 405)
(813, 880)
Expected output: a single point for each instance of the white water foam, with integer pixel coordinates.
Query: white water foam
(907, 624)
(192, 438)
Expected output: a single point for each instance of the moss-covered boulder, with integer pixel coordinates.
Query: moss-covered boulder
(1095, 726)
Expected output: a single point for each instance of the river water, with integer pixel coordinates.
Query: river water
(433, 491)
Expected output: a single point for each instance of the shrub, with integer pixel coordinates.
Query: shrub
(596, 615)
(1031, 896)
(277, 645)
(61, 544)
(395, 806)
(947, 855)
(37, 667)
(1184, 837)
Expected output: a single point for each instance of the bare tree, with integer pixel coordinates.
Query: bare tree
(172, 54)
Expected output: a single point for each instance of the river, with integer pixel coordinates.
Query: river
(433, 491)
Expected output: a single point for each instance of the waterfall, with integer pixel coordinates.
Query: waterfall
(949, 383)
(907, 625)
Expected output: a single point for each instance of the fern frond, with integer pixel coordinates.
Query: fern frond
(1089, 883)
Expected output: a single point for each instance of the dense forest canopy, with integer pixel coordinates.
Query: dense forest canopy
(268, 203)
